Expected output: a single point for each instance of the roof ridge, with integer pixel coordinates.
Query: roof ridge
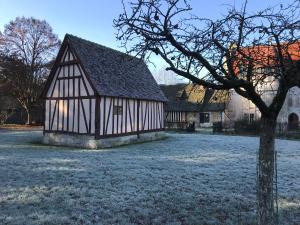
(67, 35)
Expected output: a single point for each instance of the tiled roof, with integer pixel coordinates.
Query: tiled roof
(266, 55)
(183, 106)
(114, 73)
(197, 99)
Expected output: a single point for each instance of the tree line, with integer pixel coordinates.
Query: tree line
(28, 47)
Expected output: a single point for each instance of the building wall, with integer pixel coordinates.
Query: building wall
(238, 107)
(291, 105)
(72, 106)
(175, 116)
(214, 117)
(87, 141)
(182, 119)
(134, 116)
(176, 120)
(217, 117)
(70, 100)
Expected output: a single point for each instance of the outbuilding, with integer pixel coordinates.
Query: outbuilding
(98, 97)
(192, 106)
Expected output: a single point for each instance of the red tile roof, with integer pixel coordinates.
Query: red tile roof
(265, 56)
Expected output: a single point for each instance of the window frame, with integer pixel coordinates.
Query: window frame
(117, 110)
(204, 117)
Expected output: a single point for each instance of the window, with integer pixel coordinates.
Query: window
(246, 116)
(117, 110)
(251, 117)
(204, 117)
(290, 101)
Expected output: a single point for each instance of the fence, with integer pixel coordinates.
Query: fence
(252, 128)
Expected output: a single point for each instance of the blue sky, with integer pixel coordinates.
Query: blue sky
(93, 19)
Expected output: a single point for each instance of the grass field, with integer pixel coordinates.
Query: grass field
(185, 179)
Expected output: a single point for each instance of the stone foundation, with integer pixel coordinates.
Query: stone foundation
(86, 141)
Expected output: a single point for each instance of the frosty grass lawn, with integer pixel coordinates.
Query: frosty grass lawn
(185, 179)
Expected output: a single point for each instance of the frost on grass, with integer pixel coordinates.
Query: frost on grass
(186, 179)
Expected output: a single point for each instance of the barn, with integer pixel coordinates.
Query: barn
(98, 97)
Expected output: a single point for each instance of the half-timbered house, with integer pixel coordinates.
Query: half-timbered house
(193, 105)
(99, 97)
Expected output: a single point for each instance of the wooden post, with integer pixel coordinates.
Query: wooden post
(138, 119)
(97, 118)
(44, 115)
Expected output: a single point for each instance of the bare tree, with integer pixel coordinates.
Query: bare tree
(31, 45)
(241, 51)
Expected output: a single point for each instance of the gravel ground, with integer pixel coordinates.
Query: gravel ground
(185, 179)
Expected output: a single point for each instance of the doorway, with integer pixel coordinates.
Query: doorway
(293, 123)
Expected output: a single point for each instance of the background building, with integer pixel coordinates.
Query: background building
(193, 105)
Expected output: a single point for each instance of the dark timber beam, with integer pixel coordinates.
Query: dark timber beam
(97, 118)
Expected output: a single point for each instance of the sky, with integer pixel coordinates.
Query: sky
(93, 19)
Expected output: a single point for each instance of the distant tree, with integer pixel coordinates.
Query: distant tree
(27, 46)
(163, 76)
(225, 54)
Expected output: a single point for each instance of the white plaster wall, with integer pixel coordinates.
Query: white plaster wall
(108, 113)
(66, 54)
(144, 115)
(291, 105)
(72, 70)
(127, 122)
(123, 116)
(76, 70)
(53, 115)
(55, 91)
(88, 86)
(67, 71)
(63, 117)
(63, 88)
(161, 115)
(133, 104)
(82, 123)
(47, 108)
(238, 105)
(176, 116)
(71, 114)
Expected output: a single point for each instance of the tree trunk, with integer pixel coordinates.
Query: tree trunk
(266, 171)
(28, 116)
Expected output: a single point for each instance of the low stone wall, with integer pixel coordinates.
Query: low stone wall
(85, 141)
